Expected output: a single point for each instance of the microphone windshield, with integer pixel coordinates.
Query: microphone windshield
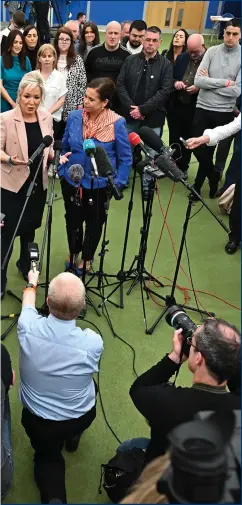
(151, 139)
(89, 146)
(134, 139)
(57, 145)
(105, 168)
(169, 167)
(47, 140)
(76, 172)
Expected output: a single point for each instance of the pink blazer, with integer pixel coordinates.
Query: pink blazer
(14, 141)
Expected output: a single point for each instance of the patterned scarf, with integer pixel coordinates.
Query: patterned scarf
(102, 128)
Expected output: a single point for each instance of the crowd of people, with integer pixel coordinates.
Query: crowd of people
(77, 90)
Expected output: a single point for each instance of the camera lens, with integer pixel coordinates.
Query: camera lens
(178, 318)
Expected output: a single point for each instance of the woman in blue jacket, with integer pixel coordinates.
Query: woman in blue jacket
(87, 203)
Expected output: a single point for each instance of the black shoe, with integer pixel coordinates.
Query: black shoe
(231, 247)
(194, 197)
(220, 192)
(71, 445)
(21, 271)
(55, 500)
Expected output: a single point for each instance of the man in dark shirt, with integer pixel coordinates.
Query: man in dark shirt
(214, 359)
(7, 379)
(106, 60)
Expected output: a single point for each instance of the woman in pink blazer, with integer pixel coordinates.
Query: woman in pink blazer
(21, 131)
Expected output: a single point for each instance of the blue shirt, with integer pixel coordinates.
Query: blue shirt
(57, 360)
(118, 151)
(11, 78)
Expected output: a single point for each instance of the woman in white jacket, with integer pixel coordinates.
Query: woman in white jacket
(211, 138)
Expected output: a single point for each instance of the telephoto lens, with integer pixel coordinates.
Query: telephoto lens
(178, 318)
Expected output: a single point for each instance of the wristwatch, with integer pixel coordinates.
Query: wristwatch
(30, 285)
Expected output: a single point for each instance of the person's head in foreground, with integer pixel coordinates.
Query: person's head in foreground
(66, 296)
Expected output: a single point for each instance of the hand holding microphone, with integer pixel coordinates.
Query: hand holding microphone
(33, 277)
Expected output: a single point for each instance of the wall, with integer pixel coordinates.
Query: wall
(103, 12)
(212, 11)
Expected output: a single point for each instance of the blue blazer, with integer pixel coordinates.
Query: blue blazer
(118, 151)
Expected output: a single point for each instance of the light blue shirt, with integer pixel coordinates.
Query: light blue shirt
(57, 360)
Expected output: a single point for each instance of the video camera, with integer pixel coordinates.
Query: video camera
(205, 460)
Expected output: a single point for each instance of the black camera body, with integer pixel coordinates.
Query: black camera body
(178, 318)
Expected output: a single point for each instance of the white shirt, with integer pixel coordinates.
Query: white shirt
(55, 88)
(134, 50)
(7, 31)
(222, 132)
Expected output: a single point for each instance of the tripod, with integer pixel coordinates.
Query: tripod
(170, 299)
(137, 271)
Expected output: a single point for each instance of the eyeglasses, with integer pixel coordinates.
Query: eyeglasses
(189, 341)
(65, 41)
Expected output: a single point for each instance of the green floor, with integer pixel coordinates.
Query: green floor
(212, 271)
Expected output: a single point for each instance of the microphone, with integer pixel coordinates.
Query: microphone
(106, 170)
(151, 138)
(76, 173)
(46, 142)
(90, 149)
(135, 140)
(57, 148)
(169, 167)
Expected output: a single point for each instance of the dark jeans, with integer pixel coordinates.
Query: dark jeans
(235, 162)
(42, 11)
(47, 439)
(235, 213)
(182, 127)
(24, 261)
(204, 119)
(78, 212)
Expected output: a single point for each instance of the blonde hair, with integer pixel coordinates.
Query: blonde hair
(31, 79)
(145, 490)
(66, 296)
(41, 51)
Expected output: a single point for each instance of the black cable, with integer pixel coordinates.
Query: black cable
(195, 213)
(190, 273)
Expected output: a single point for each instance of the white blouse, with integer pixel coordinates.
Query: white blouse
(55, 88)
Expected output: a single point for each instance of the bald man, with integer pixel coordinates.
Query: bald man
(106, 60)
(74, 27)
(185, 96)
(57, 390)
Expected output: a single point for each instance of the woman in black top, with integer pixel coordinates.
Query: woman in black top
(89, 39)
(178, 45)
(31, 37)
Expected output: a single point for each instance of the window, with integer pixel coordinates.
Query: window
(168, 16)
(180, 16)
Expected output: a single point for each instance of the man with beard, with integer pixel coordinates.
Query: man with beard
(185, 96)
(136, 34)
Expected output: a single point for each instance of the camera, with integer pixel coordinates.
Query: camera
(33, 250)
(178, 318)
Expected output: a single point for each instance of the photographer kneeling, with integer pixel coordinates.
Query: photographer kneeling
(214, 358)
(57, 362)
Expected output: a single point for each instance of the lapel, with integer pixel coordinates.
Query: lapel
(20, 127)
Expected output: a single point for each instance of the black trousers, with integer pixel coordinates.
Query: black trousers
(47, 438)
(80, 211)
(235, 213)
(207, 119)
(42, 11)
(181, 126)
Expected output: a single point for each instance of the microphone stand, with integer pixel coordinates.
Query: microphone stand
(9, 292)
(170, 299)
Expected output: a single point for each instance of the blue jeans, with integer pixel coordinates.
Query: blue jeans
(7, 468)
(139, 443)
(134, 127)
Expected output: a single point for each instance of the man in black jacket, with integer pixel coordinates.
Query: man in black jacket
(144, 85)
(214, 359)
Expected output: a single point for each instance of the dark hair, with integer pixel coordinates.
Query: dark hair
(219, 348)
(105, 87)
(27, 30)
(154, 29)
(170, 52)
(235, 22)
(139, 25)
(18, 18)
(127, 21)
(83, 44)
(71, 55)
(7, 57)
(80, 14)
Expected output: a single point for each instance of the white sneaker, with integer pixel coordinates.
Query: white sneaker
(51, 171)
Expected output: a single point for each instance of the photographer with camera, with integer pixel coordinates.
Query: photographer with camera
(213, 358)
(57, 390)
